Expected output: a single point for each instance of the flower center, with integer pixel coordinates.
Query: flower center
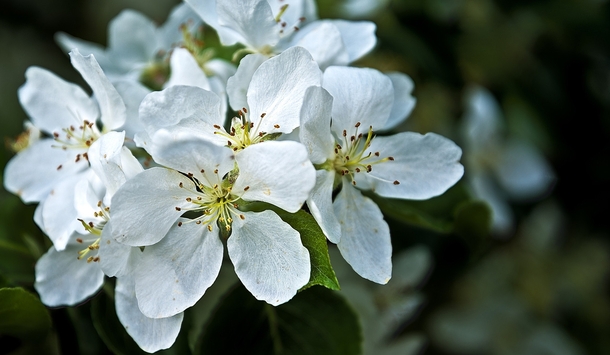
(216, 203)
(352, 154)
(78, 139)
(243, 132)
(95, 229)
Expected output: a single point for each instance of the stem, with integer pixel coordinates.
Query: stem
(273, 328)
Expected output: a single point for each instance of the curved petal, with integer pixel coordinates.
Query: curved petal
(54, 104)
(173, 274)
(186, 71)
(484, 188)
(206, 9)
(166, 108)
(170, 33)
(112, 107)
(424, 166)
(277, 172)
(68, 43)
(278, 87)
(138, 47)
(359, 95)
(320, 203)
(323, 41)
(404, 102)
(116, 259)
(237, 85)
(146, 207)
(149, 333)
(63, 280)
(268, 255)
(365, 237)
(34, 172)
(252, 20)
(314, 132)
(358, 36)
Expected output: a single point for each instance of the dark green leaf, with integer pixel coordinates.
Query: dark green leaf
(316, 321)
(473, 220)
(16, 262)
(23, 315)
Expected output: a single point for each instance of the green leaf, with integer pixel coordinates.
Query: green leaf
(23, 315)
(439, 214)
(316, 321)
(16, 262)
(314, 240)
(473, 220)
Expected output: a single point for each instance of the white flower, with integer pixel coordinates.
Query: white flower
(183, 252)
(270, 107)
(500, 167)
(65, 112)
(405, 165)
(134, 41)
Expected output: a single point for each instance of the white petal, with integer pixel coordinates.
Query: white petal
(63, 280)
(116, 259)
(237, 85)
(424, 166)
(278, 87)
(166, 108)
(183, 152)
(170, 32)
(131, 39)
(186, 71)
(206, 9)
(320, 203)
(404, 102)
(54, 104)
(68, 43)
(323, 40)
(358, 36)
(523, 172)
(252, 20)
(113, 111)
(145, 207)
(33, 172)
(173, 274)
(132, 93)
(59, 214)
(150, 334)
(268, 255)
(277, 172)
(482, 117)
(365, 237)
(315, 125)
(360, 95)
(112, 162)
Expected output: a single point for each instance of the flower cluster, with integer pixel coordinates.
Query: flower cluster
(148, 181)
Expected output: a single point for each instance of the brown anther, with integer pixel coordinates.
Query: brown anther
(246, 188)
(202, 171)
(190, 175)
(357, 124)
(79, 240)
(89, 259)
(55, 134)
(357, 170)
(251, 124)
(216, 126)
(344, 133)
(283, 24)
(96, 259)
(229, 143)
(242, 216)
(215, 171)
(188, 199)
(179, 224)
(178, 209)
(390, 158)
(86, 156)
(354, 182)
(59, 166)
(369, 168)
(209, 227)
(91, 224)
(263, 115)
(352, 138)
(181, 184)
(276, 126)
(296, 28)
(376, 154)
(245, 109)
(347, 157)
(77, 158)
(72, 128)
(88, 142)
(99, 203)
(396, 182)
(199, 198)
